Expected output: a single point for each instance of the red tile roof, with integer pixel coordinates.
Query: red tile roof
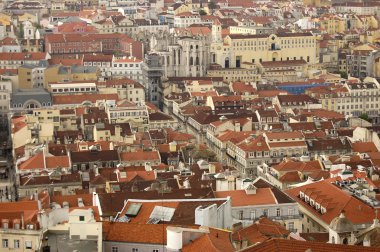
(79, 99)
(140, 156)
(291, 177)
(18, 123)
(335, 201)
(284, 135)
(51, 162)
(135, 233)
(263, 196)
(260, 231)
(23, 56)
(215, 241)
(298, 166)
(276, 245)
(364, 147)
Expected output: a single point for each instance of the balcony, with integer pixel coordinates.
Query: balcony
(275, 218)
(274, 49)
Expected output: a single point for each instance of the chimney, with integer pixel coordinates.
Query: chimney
(117, 131)
(22, 221)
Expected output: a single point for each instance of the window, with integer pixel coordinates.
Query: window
(135, 250)
(115, 249)
(265, 212)
(278, 212)
(5, 243)
(291, 211)
(28, 245)
(291, 226)
(16, 244)
(156, 250)
(253, 214)
(81, 218)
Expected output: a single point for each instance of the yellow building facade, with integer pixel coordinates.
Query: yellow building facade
(237, 49)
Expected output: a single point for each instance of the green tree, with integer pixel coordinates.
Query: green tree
(365, 117)
(343, 75)
(205, 154)
(202, 12)
(21, 31)
(212, 6)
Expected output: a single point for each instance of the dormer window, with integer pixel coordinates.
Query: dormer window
(5, 224)
(306, 199)
(323, 210)
(302, 195)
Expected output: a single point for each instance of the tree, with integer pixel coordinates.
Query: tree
(205, 154)
(21, 30)
(343, 75)
(202, 12)
(212, 6)
(365, 117)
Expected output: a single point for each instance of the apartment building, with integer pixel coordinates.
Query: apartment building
(92, 43)
(248, 72)
(253, 199)
(129, 67)
(360, 8)
(269, 147)
(239, 48)
(21, 228)
(126, 88)
(363, 61)
(351, 98)
(74, 73)
(125, 111)
(185, 19)
(17, 59)
(32, 76)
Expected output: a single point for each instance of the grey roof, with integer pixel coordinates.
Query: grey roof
(341, 224)
(45, 31)
(83, 69)
(22, 96)
(41, 63)
(77, 69)
(64, 70)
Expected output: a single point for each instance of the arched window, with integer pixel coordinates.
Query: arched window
(191, 61)
(345, 241)
(197, 61)
(333, 240)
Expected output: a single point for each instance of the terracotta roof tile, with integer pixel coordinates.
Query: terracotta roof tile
(135, 232)
(335, 201)
(140, 156)
(263, 196)
(364, 147)
(215, 241)
(275, 245)
(260, 231)
(79, 99)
